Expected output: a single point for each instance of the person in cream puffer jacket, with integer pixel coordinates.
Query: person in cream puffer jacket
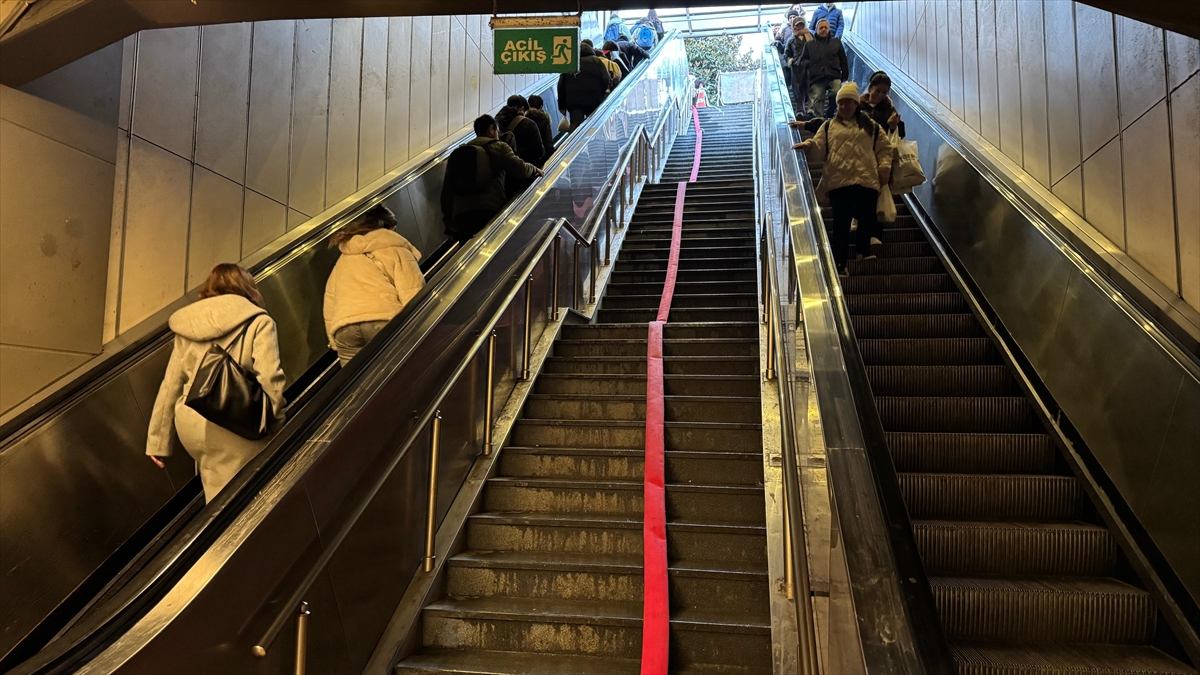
(375, 277)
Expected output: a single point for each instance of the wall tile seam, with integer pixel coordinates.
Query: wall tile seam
(1078, 107)
(50, 350)
(1171, 159)
(120, 272)
(362, 58)
(187, 247)
(291, 114)
(328, 114)
(246, 153)
(1121, 141)
(66, 145)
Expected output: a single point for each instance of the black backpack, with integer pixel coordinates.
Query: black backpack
(509, 136)
(469, 170)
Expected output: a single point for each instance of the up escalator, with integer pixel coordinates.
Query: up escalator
(1025, 575)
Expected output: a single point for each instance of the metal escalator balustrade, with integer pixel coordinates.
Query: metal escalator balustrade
(550, 576)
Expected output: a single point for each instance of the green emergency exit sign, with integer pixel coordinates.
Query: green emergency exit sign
(536, 50)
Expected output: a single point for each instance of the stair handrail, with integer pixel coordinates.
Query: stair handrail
(898, 627)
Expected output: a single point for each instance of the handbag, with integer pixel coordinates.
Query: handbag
(228, 395)
(885, 206)
(906, 168)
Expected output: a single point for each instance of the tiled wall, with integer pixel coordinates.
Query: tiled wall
(1102, 110)
(233, 134)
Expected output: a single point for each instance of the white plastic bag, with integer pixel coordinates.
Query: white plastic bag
(564, 124)
(906, 167)
(885, 207)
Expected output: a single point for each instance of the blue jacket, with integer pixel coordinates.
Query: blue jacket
(833, 16)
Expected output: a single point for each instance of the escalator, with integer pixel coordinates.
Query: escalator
(1025, 574)
(550, 576)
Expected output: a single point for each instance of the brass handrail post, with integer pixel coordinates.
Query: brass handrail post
(302, 639)
(608, 229)
(554, 275)
(595, 266)
(789, 572)
(435, 442)
(575, 277)
(528, 326)
(491, 383)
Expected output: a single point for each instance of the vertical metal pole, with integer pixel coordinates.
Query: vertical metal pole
(770, 337)
(302, 639)
(608, 230)
(491, 383)
(554, 293)
(528, 326)
(575, 278)
(789, 572)
(595, 267)
(435, 441)
(621, 187)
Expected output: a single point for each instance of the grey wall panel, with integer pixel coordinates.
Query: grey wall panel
(156, 231)
(373, 100)
(1183, 58)
(1142, 80)
(54, 240)
(1149, 203)
(164, 109)
(24, 371)
(91, 86)
(1098, 100)
(215, 234)
(970, 53)
(929, 58)
(954, 32)
(1103, 203)
(401, 91)
(1070, 189)
(345, 83)
(486, 48)
(270, 109)
(456, 112)
(224, 99)
(1008, 68)
(471, 75)
(295, 219)
(1185, 137)
(129, 47)
(1034, 129)
(419, 114)
(439, 78)
(942, 13)
(989, 88)
(1062, 87)
(265, 219)
(310, 122)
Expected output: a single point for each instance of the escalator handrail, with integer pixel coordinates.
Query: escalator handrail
(466, 268)
(887, 576)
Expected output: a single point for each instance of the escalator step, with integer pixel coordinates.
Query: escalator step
(961, 414)
(929, 352)
(991, 497)
(941, 381)
(981, 548)
(1050, 609)
(972, 453)
(899, 283)
(1006, 658)
(880, 326)
(928, 265)
(907, 303)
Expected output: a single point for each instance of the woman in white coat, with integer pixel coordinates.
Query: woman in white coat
(229, 301)
(375, 277)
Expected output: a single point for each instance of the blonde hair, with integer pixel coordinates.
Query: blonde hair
(231, 279)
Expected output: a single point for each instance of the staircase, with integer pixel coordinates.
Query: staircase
(1026, 577)
(550, 578)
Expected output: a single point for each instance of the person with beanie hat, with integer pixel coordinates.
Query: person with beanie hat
(823, 61)
(798, 85)
(858, 162)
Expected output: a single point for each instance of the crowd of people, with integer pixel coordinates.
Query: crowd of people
(814, 61)
(222, 394)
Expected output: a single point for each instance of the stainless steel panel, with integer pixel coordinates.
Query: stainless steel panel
(456, 112)
(310, 122)
(156, 231)
(224, 99)
(417, 105)
(1034, 126)
(345, 82)
(164, 102)
(1185, 150)
(56, 209)
(1149, 203)
(403, 89)
(1062, 88)
(955, 39)
(1142, 78)
(1070, 190)
(1008, 69)
(215, 235)
(1098, 91)
(1166, 500)
(970, 54)
(270, 128)
(439, 78)
(1103, 199)
(265, 220)
(989, 86)
(373, 106)
(1183, 58)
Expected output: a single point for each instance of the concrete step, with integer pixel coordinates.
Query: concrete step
(695, 436)
(671, 347)
(685, 467)
(671, 331)
(719, 314)
(617, 407)
(635, 385)
(672, 365)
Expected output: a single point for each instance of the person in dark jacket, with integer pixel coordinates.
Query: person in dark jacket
(467, 211)
(579, 94)
(799, 85)
(528, 139)
(612, 52)
(652, 17)
(542, 119)
(830, 12)
(631, 53)
(878, 104)
(823, 61)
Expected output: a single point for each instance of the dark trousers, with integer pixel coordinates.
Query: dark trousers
(577, 115)
(853, 202)
(468, 223)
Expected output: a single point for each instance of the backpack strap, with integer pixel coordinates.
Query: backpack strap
(513, 125)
